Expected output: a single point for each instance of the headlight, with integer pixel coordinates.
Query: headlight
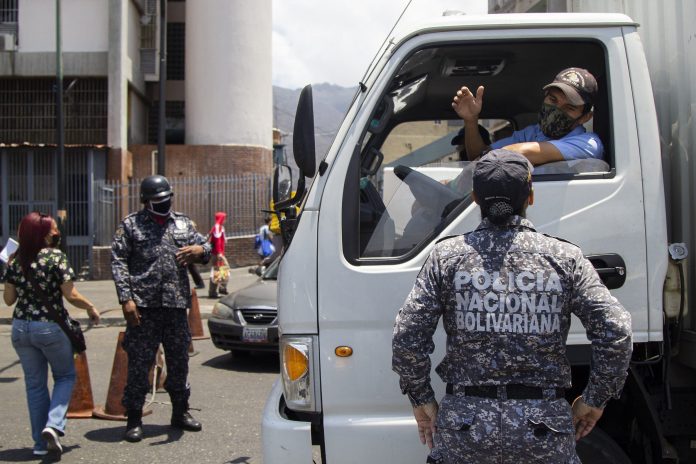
(297, 371)
(222, 311)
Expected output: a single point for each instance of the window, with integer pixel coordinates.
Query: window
(8, 11)
(421, 179)
(408, 176)
(176, 57)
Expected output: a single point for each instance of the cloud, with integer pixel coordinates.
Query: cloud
(318, 41)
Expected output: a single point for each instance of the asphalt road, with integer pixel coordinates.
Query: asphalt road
(227, 396)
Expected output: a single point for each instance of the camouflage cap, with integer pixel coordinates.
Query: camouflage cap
(502, 176)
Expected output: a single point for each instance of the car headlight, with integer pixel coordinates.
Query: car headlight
(298, 365)
(222, 311)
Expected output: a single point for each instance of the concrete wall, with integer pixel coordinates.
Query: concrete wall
(85, 25)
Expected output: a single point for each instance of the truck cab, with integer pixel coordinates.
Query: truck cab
(392, 185)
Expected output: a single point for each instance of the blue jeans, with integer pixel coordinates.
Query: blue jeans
(39, 344)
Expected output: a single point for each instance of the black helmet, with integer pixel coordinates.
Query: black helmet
(154, 187)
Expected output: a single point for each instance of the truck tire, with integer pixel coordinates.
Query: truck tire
(599, 448)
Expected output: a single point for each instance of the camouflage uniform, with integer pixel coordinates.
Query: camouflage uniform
(506, 295)
(145, 270)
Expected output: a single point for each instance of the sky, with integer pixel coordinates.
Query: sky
(333, 41)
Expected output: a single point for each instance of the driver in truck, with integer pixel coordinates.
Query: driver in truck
(506, 294)
(559, 135)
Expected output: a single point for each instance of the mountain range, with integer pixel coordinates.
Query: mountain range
(330, 105)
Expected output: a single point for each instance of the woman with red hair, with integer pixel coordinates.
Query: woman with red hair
(38, 340)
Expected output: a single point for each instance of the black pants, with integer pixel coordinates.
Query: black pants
(168, 326)
(196, 276)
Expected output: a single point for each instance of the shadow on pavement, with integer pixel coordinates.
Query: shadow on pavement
(171, 434)
(107, 434)
(26, 455)
(150, 431)
(246, 362)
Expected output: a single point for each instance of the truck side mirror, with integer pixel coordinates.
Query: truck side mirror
(303, 134)
(282, 183)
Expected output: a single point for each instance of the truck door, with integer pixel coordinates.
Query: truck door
(397, 185)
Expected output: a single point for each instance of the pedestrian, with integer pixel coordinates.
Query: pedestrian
(196, 276)
(39, 271)
(264, 243)
(506, 294)
(150, 253)
(559, 135)
(220, 271)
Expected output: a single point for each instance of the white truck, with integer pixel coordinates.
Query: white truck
(376, 204)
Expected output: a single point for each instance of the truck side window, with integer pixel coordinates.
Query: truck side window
(413, 181)
(420, 181)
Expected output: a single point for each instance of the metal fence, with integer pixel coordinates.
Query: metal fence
(28, 183)
(242, 197)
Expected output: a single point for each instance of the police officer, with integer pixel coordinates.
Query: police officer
(506, 294)
(149, 257)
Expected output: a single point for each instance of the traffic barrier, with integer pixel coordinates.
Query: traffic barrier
(81, 401)
(194, 318)
(113, 409)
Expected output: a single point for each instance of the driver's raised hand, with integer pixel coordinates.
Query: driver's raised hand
(467, 105)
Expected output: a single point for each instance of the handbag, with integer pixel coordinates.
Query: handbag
(70, 326)
(257, 243)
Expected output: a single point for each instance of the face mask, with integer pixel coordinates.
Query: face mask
(55, 241)
(161, 208)
(554, 122)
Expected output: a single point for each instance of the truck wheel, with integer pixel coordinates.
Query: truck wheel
(599, 448)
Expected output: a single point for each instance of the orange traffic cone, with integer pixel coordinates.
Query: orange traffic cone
(81, 402)
(114, 410)
(194, 318)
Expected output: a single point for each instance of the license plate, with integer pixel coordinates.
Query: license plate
(255, 334)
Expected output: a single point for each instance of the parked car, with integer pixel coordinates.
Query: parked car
(247, 320)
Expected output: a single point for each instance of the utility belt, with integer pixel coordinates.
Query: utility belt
(512, 391)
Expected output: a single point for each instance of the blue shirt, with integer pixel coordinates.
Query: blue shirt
(577, 144)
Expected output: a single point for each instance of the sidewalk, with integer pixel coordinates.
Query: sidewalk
(103, 294)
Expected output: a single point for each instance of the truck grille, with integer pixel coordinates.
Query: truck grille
(259, 316)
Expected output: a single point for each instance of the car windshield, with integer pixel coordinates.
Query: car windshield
(271, 272)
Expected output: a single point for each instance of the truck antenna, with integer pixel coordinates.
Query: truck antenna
(382, 49)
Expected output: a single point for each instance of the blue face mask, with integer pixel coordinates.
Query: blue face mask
(162, 207)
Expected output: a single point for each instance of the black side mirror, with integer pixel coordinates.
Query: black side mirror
(303, 134)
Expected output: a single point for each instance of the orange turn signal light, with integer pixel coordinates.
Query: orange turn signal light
(296, 362)
(343, 351)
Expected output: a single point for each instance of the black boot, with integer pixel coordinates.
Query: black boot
(134, 426)
(182, 419)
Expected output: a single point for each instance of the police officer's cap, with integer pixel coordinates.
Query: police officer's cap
(154, 188)
(502, 176)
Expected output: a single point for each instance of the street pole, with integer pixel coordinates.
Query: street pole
(62, 214)
(161, 133)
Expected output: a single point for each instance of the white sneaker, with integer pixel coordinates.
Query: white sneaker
(40, 452)
(52, 441)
